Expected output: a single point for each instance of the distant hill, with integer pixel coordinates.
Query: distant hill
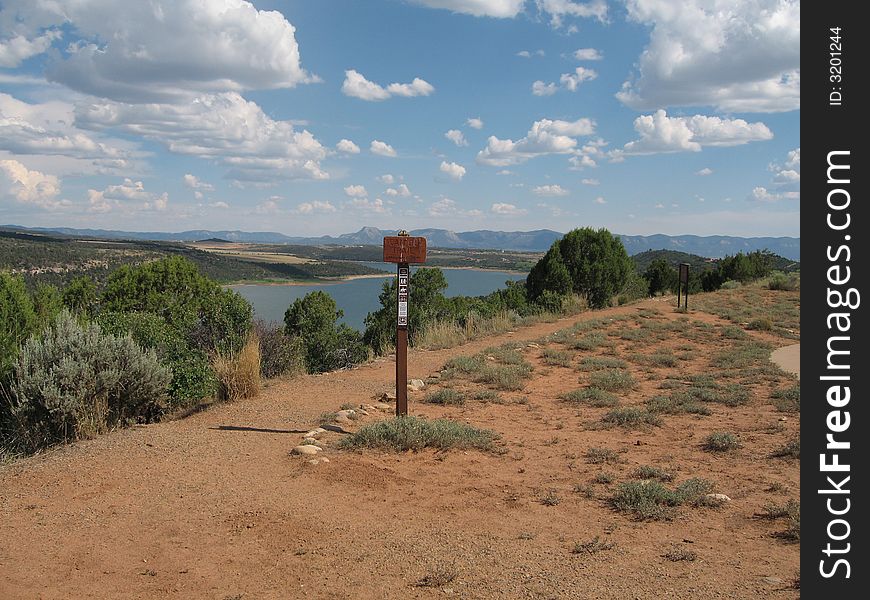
(699, 264)
(673, 258)
(532, 241)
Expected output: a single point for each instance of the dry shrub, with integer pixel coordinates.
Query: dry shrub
(239, 376)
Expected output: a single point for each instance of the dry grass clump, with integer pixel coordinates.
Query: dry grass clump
(652, 501)
(413, 433)
(788, 399)
(721, 441)
(445, 396)
(612, 380)
(592, 396)
(239, 376)
(631, 417)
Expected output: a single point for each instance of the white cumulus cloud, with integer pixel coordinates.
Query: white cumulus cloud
(762, 194)
(47, 129)
(572, 81)
(474, 123)
(550, 190)
(316, 207)
(400, 190)
(453, 170)
(704, 172)
(161, 52)
(660, 133)
(193, 182)
(559, 9)
(376, 206)
(786, 181)
(503, 208)
(539, 88)
(17, 48)
(386, 178)
(29, 186)
(222, 127)
(347, 146)
(567, 81)
(457, 137)
(446, 207)
(545, 137)
(356, 191)
(382, 148)
(357, 86)
(128, 195)
(479, 8)
(737, 56)
(588, 54)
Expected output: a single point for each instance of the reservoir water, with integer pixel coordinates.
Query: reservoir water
(358, 297)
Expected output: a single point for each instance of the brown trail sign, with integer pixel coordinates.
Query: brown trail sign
(403, 250)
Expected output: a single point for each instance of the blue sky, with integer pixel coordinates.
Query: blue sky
(310, 118)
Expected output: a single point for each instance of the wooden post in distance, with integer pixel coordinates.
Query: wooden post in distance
(683, 286)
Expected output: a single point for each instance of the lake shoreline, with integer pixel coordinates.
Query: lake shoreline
(338, 280)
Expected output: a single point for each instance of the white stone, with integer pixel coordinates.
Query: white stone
(306, 449)
(416, 385)
(720, 497)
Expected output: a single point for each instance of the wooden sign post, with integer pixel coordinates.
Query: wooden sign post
(403, 250)
(683, 285)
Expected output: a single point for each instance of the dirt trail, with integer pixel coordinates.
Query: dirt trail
(186, 509)
(788, 358)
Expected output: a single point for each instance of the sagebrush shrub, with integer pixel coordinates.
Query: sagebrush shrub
(192, 376)
(279, 353)
(75, 381)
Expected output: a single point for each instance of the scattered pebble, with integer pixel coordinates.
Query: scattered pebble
(415, 385)
(772, 580)
(308, 449)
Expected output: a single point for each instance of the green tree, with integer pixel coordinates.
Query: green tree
(661, 276)
(426, 304)
(196, 306)
(47, 303)
(549, 274)
(80, 295)
(327, 345)
(18, 320)
(596, 262)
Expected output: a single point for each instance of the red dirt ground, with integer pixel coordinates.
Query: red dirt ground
(184, 509)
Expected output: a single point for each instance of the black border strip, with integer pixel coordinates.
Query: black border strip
(833, 124)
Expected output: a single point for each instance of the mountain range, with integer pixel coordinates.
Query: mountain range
(714, 246)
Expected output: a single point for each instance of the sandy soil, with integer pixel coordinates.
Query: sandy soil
(212, 506)
(788, 358)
